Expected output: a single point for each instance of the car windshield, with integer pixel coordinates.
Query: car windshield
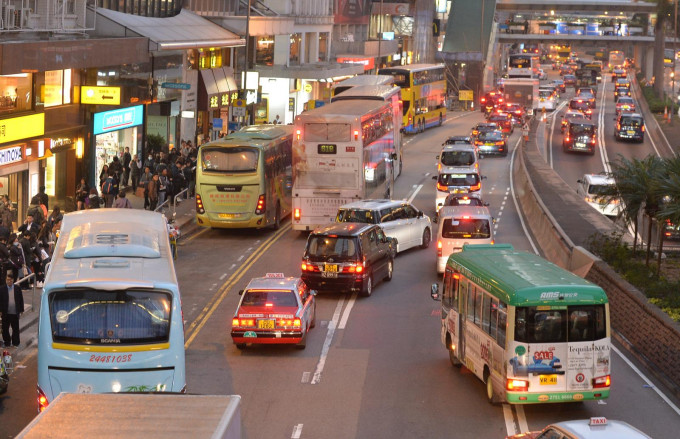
(575, 324)
(626, 101)
(491, 136)
(586, 95)
(578, 105)
(577, 129)
(458, 228)
(458, 158)
(599, 189)
(499, 119)
(544, 94)
(458, 179)
(355, 216)
(327, 246)
(274, 298)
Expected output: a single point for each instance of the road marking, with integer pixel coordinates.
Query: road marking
(195, 235)
(297, 432)
(521, 418)
(600, 129)
(348, 309)
(646, 380)
(509, 420)
(305, 377)
(420, 186)
(327, 343)
(514, 199)
(232, 266)
(225, 274)
(200, 321)
(240, 258)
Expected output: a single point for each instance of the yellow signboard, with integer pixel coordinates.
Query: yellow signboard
(24, 127)
(99, 95)
(465, 95)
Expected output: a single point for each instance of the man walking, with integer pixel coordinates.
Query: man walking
(127, 158)
(11, 307)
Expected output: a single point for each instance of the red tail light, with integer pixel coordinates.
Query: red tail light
(500, 143)
(356, 134)
(476, 187)
(439, 249)
(643, 128)
(516, 385)
(297, 214)
(442, 188)
(592, 141)
(603, 381)
(259, 210)
(199, 205)
(288, 323)
(353, 268)
(236, 322)
(567, 139)
(483, 100)
(42, 400)
(298, 134)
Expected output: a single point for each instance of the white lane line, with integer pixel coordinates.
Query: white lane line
(232, 266)
(240, 258)
(509, 420)
(297, 432)
(224, 275)
(327, 344)
(514, 199)
(420, 186)
(646, 380)
(600, 129)
(521, 418)
(249, 250)
(348, 309)
(305, 377)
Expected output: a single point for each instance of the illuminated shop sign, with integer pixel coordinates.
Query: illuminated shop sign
(24, 127)
(115, 120)
(99, 95)
(368, 63)
(11, 155)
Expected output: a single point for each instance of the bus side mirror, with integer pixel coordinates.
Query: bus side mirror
(483, 177)
(434, 292)
(240, 292)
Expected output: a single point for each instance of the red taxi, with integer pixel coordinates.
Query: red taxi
(504, 120)
(274, 310)
(625, 104)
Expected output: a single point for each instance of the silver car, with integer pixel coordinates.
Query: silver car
(400, 220)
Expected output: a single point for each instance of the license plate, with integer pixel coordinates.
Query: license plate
(630, 133)
(330, 268)
(547, 380)
(227, 215)
(329, 274)
(265, 324)
(580, 145)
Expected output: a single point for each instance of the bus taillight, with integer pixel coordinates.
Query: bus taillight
(259, 210)
(356, 134)
(517, 385)
(439, 249)
(42, 400)
(298, 133)
(603, 381)
(199, 205)
(297, 214)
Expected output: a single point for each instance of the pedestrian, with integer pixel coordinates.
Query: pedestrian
(277, 121)
(93, 201)
(163, 186)
(54, 217)
(6, 216)
(41, 198)
(144, 183)
(11, 307)
(135, 171)
(116, 167)
(152, 189)
(103, 175)
(5, 263)
(149, 163)
(122, 202)
(30, 224)
(110, 188)
(127, 158)
(82, 191)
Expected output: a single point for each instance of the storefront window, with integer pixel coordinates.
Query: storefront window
(323, 46)
(15, 92)
(295, 46)
(113, 144)
(264, 50)
(57, 88)
(210, 59)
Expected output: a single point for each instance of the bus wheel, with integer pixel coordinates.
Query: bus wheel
(277, 217)
(489, 387)
(240, 346)
(427, 237)
(368, 289)
(455, 362)
(440, 120)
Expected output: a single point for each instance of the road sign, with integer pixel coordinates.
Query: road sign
(176, 85)
(465, 95)
(217, 123)
(99, 95)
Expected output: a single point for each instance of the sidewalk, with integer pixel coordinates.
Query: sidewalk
(185, 219)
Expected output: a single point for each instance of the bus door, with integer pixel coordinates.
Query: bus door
(462, 316)
(589, 348)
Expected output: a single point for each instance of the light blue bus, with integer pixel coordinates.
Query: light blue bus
(110, 314)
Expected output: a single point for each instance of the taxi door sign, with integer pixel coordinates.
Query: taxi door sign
(275, 275)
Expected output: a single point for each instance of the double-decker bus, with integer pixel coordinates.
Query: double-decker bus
(523, 65)
(532, 331)
(244, 180)
(616, 58)
(423, 92)
(342, 152)
(359, 80)
(110, 314)
(385, 93)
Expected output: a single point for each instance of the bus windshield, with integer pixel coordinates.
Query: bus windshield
(456, 228)
(573, 323)
(236, 159)
(110, 317)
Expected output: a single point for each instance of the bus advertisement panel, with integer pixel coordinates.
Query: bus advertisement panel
(244, 179)
(543, 337)
(110, 314)
(423, 91)
(385, 93)
(342, 152)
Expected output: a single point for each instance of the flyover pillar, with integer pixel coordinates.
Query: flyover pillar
(648, 64)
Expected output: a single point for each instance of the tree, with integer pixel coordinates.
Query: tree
(627, 189)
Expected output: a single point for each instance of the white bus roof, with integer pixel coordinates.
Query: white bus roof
(366, 80)
(253, 135)
(414, 67)
(355, 108)
(112, 249)
(370, 92)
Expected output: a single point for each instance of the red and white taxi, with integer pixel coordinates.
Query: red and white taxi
(274, 310)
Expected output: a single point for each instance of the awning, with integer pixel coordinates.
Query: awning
(185, 30)
(219, 80)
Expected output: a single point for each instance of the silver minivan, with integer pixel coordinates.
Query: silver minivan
(460, 225)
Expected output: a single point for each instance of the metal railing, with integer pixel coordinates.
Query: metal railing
(174, 205)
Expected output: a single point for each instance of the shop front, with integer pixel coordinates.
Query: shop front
(217, 91)
(60, 165)
(113, 131)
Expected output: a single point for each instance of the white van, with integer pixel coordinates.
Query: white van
(457, 155)
(460, 225)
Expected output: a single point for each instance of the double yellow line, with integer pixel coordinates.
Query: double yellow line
(198, 324)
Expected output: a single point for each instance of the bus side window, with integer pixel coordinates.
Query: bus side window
(502, 323)
(479, 296)
(471, 304)
(486, 314)
(454, 292)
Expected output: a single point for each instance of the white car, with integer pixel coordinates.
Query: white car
(400, 220)
(591, 187)
(542, 75)
(547, 99)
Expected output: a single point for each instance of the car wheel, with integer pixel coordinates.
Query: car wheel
(390, 270)
(455, 362)
(427, 237)
(303, 343)
(313, 322)
(368, 289)
(240, 346)
(505, 154)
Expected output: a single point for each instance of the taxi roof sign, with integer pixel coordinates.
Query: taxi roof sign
(598, 420)
(275, 275)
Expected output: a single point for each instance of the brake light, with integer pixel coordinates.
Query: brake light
(242, 322)
(439, 249)
(259, 210)
(476, 187)
(42, 400)
(500, 100)
(603, 381)
(618, 126)
(297, 214)
(298, 133)
(234, 322)
(643, 128)
(442, 188)
(354, 268)
(285, 323)
(499, 143)
(478, 142)
(517, 385)
(592, 141)
(483, 100)
(199, 205)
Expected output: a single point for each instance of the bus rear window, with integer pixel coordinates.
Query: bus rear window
(575, 324)
(237, 159)
(461, 228)
(110, 317)
(327, 132)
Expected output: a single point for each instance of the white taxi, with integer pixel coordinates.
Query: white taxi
(594, 428)
(274, 309)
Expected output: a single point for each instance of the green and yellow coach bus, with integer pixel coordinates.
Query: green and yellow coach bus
(532, 331)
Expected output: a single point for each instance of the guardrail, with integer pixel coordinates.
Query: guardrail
(175, 199)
